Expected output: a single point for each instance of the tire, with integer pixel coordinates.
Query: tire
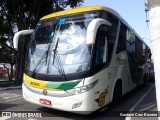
(145, 79)
(117, 94)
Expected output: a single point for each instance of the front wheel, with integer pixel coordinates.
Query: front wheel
(117, 94)
(145, 79)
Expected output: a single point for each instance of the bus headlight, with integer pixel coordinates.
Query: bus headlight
(82, 89)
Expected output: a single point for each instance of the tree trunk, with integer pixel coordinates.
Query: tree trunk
(11, 75)
(19, 69)
(20, 60)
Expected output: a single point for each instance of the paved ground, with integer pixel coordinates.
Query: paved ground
(136, 102)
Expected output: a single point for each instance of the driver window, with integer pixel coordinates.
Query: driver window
(101, 49)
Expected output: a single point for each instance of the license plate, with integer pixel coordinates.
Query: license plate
(45, 102)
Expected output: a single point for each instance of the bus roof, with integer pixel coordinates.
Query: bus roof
(79, 10)
(89, 8)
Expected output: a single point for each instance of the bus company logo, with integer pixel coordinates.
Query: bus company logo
(35, 83)
(44, 92)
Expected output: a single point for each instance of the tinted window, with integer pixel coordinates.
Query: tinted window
(101, 48)
(121, 46)
(113, 20)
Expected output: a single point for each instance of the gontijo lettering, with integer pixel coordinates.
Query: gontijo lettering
(35, 84)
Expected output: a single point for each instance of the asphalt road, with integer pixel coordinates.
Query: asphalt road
(134, 105)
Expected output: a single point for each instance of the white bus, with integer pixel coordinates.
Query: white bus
(82, 59)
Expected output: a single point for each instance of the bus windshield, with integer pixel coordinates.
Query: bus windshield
(58, 45)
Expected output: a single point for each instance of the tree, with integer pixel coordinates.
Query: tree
(7, 56)
(24, 14)
(6, 50)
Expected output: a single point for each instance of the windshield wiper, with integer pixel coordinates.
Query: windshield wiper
(55, 50)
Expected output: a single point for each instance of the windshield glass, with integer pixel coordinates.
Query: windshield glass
(58, 46)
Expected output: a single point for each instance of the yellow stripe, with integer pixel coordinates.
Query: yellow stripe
(37, 83)
(75, 10)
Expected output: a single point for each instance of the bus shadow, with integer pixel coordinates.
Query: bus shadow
(5, 106)
(49, 112)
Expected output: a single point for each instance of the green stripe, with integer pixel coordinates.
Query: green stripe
(62, 85)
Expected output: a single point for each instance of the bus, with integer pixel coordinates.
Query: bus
(80, 60)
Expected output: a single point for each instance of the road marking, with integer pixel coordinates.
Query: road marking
(13, 99)
(132, 109)
(149, 107)
(4, 118)
(7, 97)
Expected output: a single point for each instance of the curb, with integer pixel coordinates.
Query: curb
(10, 88)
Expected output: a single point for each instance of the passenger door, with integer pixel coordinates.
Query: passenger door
(100, 62)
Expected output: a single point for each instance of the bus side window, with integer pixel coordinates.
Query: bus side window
(121, 46)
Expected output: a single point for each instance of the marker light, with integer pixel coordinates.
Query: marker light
(82, 89)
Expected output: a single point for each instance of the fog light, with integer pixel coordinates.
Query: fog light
(76, 105)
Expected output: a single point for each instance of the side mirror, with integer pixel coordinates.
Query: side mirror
(93, 27)
(18, 34)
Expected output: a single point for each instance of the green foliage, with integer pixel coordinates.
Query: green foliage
(6, 54)
(26, 13)
(4, 28)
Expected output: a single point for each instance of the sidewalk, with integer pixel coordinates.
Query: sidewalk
(8, 85)
(4, 81)
(5, 85)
